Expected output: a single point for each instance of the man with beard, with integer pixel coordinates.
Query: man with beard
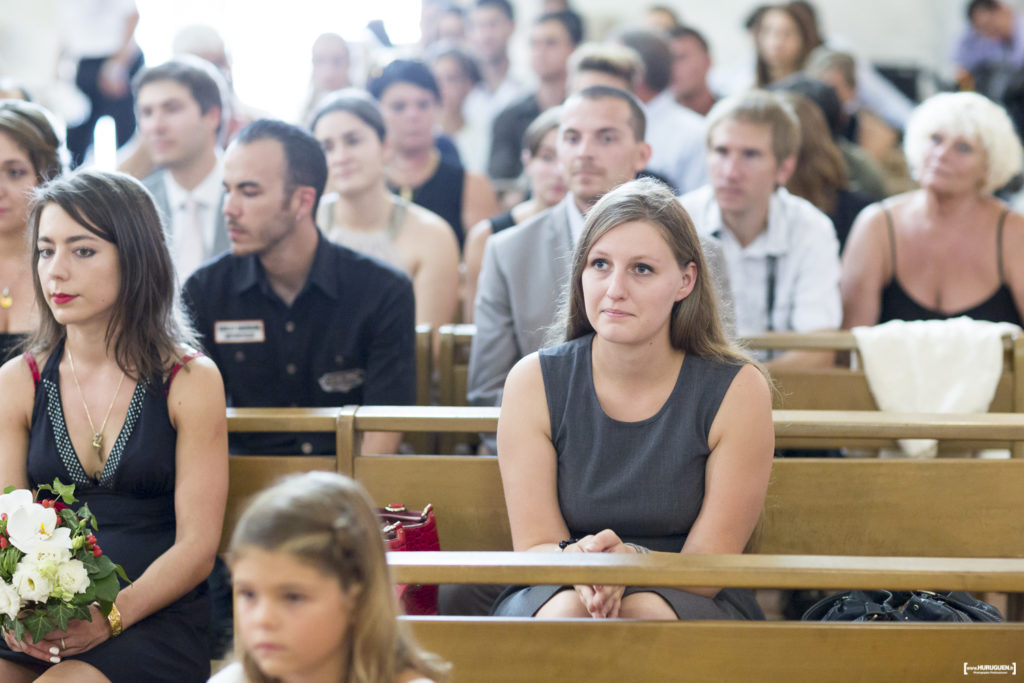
(290, 318)
(600, 146)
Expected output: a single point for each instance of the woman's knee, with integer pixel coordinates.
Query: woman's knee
(563, 605)
(72, 670)
(646, 605)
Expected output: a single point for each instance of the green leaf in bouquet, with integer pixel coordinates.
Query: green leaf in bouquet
(8, 489)
(66, 492)
(38, 623)
(9, 558)
(19, 630)
(60, 613)
(107, 588)
(105, 607)
(98, 566)
(70, 519)
(86, 597)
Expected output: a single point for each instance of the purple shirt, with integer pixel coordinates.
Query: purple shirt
(974, 49)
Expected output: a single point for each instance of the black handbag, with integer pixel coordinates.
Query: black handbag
(858, 605)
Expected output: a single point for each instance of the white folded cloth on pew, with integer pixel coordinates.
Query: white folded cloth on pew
(933, 366)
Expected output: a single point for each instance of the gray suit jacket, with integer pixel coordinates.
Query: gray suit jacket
(522, 281)
(154, 182)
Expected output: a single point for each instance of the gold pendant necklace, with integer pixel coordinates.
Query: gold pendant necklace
(97, 435)
(6, 300)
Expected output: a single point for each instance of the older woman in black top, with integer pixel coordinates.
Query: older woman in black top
(950, 248)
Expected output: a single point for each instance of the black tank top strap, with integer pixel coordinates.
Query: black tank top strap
(891, 229)
(999, 246)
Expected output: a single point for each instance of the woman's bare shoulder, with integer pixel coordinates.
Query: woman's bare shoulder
(425, 221)
(17, 390)
(17, 373)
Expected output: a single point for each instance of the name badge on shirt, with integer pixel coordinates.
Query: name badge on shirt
(239, 332)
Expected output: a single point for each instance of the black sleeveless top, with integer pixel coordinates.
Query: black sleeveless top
(898, 305)
(8, 343)
(502, 222)
(133, 500)
(442, 194)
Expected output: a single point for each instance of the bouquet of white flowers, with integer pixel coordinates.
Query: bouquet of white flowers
(51, 568)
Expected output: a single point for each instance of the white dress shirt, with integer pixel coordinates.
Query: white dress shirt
(803, 243)
(576, 218)
(93, 28)
(207, 194)
(482, 106)
(676, 137)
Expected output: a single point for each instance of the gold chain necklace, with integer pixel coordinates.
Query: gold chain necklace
(6, 300)
(97, 436)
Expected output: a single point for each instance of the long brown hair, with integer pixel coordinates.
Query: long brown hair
(806, 23)
(147, 330)
(695, 325)
(327, 520)
(820, 170)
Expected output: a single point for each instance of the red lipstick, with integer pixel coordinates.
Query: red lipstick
(61, 299)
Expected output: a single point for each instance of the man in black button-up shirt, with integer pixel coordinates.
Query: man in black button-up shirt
(290, 318)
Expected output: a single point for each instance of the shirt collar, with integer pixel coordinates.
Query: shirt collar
(575, 216)
(662, 100)
(208, 191)
(322, 273)
(773, 241)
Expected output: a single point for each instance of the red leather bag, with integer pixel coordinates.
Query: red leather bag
(412, 530)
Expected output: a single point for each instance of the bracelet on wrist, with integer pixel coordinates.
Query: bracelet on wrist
(562, 545)
(639, 549)
(114, 620)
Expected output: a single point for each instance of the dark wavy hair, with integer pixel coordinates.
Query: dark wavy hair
(351, 101)
(810, 36)
(147, 331)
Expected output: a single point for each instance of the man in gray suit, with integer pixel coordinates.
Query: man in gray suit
(180, 113)
(600, 146)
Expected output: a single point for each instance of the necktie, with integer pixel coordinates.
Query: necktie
(190, 246)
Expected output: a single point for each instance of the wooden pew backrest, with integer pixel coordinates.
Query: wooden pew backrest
(250, 474)
(934, 508)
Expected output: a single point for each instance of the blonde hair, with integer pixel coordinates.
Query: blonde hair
(613, 59)
(695, 325)
(328, 520)
(763, 108)
(973, 117)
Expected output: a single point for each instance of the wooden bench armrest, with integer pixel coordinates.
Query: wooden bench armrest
(742, 571)
(283, 419)
(831, 424)
(466, 419)
(506, 650)
(853, 424)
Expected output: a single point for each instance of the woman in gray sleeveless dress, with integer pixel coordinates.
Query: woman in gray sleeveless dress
(645, 430)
